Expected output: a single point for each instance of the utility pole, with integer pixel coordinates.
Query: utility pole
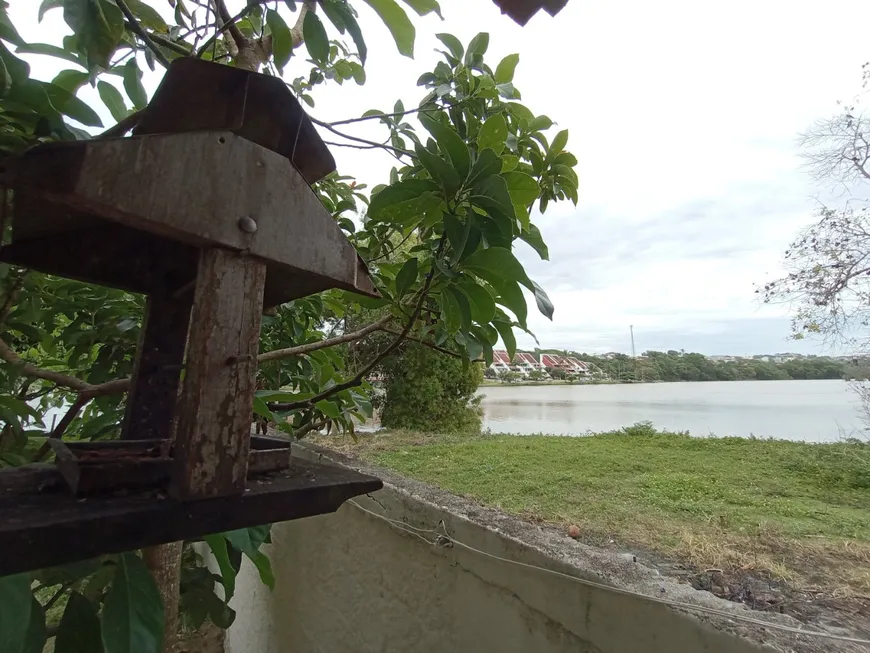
(631, 328)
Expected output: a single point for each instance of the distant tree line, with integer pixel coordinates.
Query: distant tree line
(679, 366)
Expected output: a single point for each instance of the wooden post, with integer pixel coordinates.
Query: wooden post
(156, 373)
(213, 416)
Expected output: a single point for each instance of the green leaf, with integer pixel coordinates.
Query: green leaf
(218, 545)
(46, 6)
(451, 143)
(439, 169)
(7, 29)
(477, 48)
(111, 97)
(69, 105)
(509, 162)
(5, 78)
(504, 73)
(507, 337)
(133, 84)
(264, 568)
(540, 123)
(397, 21)
(457, 234)
(406, 278)
(19, 70)
(493, 134)
(71, 80)
(533, 237)
(48, 50)
(482, 303)
(487, 164)
(328, 408)
(316, 39)
(407, 198)
(79, 630)
(464, 307)
(510, 295)
(98, 26)
(543, 301)
(453, 44)
(34, 641)
(282, 40)
(132, 619)
(559, 143)
(261, 409)
(148, 16)
(16, 607)
(423, 7)
(342, 17)
(522, 188)
(450, 311)
(495, 265)
(492, 194)
(249, 541)
(18, 406)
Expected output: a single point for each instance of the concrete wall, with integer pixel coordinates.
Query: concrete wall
(350, 582)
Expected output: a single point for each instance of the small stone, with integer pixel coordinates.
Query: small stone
(574, 531)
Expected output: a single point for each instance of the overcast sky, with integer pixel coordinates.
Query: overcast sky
(684, 117)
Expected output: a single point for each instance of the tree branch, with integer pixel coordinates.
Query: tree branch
(117, 131)
(84, 388)
(71, 413)
(134, 25)
(230, 24)
(349, 121)
(171, 45)
(356, 380)
(329, 127)
(431, 345)
(322, 344)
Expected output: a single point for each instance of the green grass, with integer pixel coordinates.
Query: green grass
(799, 511)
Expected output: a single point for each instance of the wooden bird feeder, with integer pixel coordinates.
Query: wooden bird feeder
(207, 210)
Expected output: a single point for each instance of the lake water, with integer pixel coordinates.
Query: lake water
(811, 411)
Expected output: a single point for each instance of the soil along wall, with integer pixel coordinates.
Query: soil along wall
(354, 582)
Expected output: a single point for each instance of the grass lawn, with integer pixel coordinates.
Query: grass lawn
(799, 512)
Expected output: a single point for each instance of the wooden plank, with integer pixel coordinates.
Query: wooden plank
(153, 392)
(117, 256)
(41, 530)
(235, 179)
(213, 417)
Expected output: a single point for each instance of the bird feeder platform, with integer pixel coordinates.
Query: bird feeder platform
(207, 210)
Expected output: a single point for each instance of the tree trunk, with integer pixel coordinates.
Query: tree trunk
(164, 561)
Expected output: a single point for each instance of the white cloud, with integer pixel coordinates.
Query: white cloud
(684, 118)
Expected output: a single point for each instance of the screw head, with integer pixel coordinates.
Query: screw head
(247, 224)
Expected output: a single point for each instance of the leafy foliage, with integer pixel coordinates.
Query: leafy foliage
(472, 166)
(428, 390)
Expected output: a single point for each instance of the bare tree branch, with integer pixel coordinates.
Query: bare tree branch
(322, 344)
(357, 139)
(134, 25)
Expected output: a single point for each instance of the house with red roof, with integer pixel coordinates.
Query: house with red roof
(526, 363)
(501, 362)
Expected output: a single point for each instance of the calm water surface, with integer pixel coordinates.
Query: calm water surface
(812, 411)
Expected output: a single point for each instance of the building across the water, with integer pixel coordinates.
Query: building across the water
(525, 363)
